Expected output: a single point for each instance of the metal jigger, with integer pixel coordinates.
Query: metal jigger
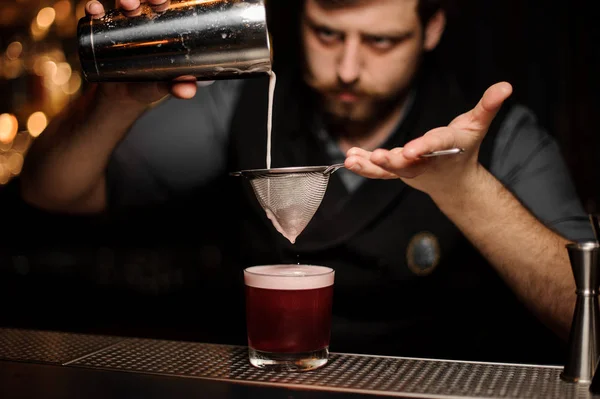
(584, 338)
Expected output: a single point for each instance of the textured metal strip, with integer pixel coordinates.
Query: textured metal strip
(352, 373)
(49, 347)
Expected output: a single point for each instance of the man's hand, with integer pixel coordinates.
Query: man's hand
(530, 257)
(144, 93)
(439, 175)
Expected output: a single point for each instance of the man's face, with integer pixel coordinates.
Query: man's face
(361, 57)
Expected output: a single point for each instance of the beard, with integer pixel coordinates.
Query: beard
(356, 118)
(366, 107)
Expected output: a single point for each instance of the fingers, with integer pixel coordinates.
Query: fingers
(489, 105)
(359, 162)
(442, 138)
(383, 164)
(132, 8)
(465, 131)
(129, 5)
(132, 5)
(94, 9)
(396, 163)
(393, 159)
(479, 119)
(184, 90)
(160, 5)
(359, 152)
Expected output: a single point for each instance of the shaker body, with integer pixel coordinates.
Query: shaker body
(207, 40)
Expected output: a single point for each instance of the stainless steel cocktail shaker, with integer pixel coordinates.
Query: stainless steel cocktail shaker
(206, 39)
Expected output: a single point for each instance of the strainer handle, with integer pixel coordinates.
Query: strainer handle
(333, 168)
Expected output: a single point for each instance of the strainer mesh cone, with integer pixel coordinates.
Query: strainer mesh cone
(291, 199)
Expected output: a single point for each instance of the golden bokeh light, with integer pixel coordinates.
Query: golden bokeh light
(7, 146)
(36, 123)
(63, 74)
(14, 163)
(74, 84)
(4, 174)
(8, 128)
(37, 33)
(20, 143)
(49, 69)
(12, 68)
(39, 72)
(14, 50)
(38, 64)
(45, 17)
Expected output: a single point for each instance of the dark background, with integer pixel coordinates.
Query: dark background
(59, 273)
(551, 56)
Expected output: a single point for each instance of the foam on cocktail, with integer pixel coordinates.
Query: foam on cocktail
(288, 277)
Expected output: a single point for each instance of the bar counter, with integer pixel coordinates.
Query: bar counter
(48, 364)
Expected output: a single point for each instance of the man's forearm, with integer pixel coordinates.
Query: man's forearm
(65, 167)
(531, 258)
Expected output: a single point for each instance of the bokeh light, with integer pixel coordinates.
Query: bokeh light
(45, 17)
(8, 128)
(40, 72)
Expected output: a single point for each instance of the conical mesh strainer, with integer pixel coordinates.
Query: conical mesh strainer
(290, 196)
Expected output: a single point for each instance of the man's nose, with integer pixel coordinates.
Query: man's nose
(349, 65)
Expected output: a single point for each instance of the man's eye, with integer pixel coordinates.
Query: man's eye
(381, 43)
(327, 36)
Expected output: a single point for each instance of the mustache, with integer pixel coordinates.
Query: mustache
(355, 92)
(335, 90)
(339, 88)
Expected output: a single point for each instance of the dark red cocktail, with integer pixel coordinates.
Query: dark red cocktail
(288, 312)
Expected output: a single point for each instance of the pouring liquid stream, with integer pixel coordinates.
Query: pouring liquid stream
(290, 235)
(272, 83)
